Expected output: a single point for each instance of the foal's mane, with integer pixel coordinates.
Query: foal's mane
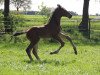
(54, 13)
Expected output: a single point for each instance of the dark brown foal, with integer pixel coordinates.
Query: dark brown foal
(51, 30)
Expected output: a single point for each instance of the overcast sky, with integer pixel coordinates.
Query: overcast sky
(70, 5)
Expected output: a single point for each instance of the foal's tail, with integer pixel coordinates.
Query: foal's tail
(19, 33)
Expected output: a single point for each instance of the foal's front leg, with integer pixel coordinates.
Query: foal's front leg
(68, 38)
(61, 42)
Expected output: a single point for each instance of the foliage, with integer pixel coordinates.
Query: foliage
(1, 15)
(21, 4)
(45, 11)
(13, 21)
(1, 19)
(16, 20)
(1, 2)
(25, 4)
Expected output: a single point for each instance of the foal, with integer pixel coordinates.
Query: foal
(51, 30)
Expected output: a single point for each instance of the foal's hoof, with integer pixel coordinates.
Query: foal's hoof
(30, 61)
(75, 52)
(39, 60)
(55, 52)
(51, 53)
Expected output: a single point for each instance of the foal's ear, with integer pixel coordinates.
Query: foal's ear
(59, 5)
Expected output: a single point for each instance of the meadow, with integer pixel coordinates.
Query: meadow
(14, 60)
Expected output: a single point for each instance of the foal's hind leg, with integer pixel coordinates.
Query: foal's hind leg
(35, 48)
(68, 38)
(28, 51)
(61, 42)
(34, 41)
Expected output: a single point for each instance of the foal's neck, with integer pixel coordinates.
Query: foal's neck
(54, 20)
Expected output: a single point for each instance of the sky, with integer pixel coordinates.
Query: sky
(70, 5)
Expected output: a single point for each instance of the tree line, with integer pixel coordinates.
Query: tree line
(25, 4)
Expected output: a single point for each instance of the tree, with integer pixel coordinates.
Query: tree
(45, 11)
(6, 16)
(21, 4)
(6, 8)
(85, 16)
(1, 2)
(27, 5)
(84, 27)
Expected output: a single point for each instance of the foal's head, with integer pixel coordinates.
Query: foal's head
(63, 12)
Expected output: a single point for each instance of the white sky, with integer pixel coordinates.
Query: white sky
(70, 5)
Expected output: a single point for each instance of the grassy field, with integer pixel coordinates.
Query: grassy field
(66, 24)
(14, 60)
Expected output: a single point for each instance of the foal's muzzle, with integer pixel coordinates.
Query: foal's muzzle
(70, 16)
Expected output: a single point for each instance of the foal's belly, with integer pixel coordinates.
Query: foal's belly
(44, 33)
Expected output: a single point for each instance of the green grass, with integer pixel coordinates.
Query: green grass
(66, 24)
(37, 20)
(14, 61)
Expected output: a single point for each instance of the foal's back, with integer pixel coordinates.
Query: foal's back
(42, 31)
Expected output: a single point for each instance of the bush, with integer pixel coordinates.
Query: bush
(1, 23)
(16, 20)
